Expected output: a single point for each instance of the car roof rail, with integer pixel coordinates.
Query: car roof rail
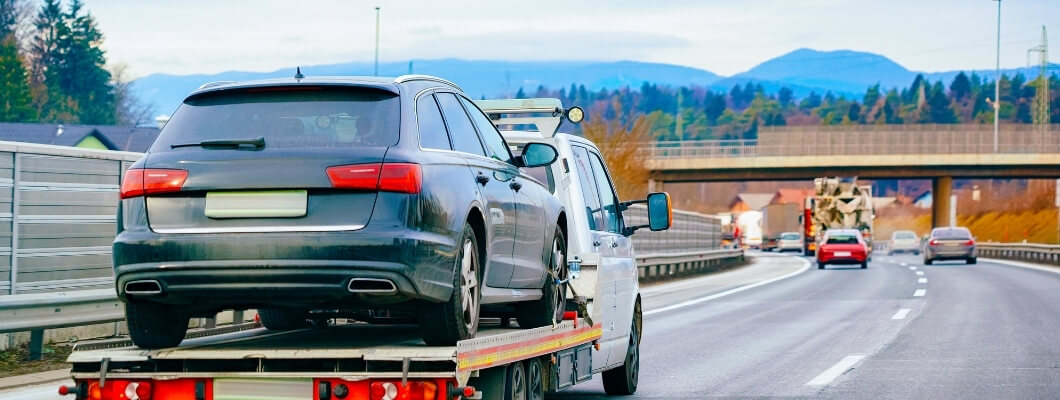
(208, 85)
(417, 77)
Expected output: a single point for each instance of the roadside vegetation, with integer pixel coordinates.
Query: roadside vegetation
(15, 361)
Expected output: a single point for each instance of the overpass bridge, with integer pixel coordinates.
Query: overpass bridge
(936, 152)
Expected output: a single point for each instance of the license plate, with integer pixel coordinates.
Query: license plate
(842, 254)
(261, 204)
(264, 389)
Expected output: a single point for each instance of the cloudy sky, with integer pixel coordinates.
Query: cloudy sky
(723, 36)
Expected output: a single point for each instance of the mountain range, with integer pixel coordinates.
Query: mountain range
(843, 72)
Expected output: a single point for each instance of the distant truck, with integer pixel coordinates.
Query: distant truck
(838, 203)
(777, 219)
(749, 224)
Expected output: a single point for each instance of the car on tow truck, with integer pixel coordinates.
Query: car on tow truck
(599, 334)
(314, 198)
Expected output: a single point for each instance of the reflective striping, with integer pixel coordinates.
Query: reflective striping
(503, 354)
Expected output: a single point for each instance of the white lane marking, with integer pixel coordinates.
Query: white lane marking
(805, 266)
(921, 280)
(839, 368)
(919, 293)
(903, 264)
(912, 268)
(901, 314)
(892, 261)
(1023, 265)
(920, 272)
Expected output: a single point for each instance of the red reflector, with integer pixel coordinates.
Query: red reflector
(143, 182)
(389, 177)
(401, 178)
(469, 391)
(357, 177)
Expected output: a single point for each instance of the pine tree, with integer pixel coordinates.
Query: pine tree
(16, 102)
(937, 107)
(961, 86)
(8, 18)
(81, 72)
(785, 96)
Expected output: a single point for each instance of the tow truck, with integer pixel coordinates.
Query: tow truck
(599, 334)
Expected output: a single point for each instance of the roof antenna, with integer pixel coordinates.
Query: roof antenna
(298, 73)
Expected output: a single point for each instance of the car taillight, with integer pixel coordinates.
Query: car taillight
(934, 242)
(412, 390)
(144, 182)
(387, 177)
(970, 242)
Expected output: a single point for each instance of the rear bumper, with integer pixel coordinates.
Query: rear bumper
(299, 269)
(830, 259)
(937, 254)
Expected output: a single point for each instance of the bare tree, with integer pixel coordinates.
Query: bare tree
(129, 108)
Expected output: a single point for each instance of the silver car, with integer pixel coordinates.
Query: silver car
(790, 241)
(954, 243)
(903, 242)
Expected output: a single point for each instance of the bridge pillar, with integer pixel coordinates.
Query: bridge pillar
(940, 201)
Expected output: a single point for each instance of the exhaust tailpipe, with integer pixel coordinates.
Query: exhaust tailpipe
(143, 287)
(371, 285)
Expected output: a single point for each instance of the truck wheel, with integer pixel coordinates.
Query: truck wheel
(928, 261)
(276, 319)
(535, 379)
(550, 308)
(154, 325)
(622, 381)
(443, 324)
(515, 382)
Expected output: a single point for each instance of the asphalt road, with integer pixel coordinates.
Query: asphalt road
(898, 330)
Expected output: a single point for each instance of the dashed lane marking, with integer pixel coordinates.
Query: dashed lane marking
(840, 368)
(920, 293)
(921, 280)
(901, 314)
(920, 272)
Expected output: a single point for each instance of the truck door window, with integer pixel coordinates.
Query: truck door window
(608, 199)
(589, 190)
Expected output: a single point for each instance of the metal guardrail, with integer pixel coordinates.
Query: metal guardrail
(662, 266)
(867, 140)
(1030, 252)
(690, 231)
(36, 312)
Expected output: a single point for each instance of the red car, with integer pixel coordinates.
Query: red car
(842, 246)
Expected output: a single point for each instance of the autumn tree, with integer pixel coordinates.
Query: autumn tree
(620, 144)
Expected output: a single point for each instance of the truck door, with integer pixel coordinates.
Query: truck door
(617, 270)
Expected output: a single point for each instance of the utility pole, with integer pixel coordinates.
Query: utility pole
(997, 80)
(377, 41)
(1041, 96)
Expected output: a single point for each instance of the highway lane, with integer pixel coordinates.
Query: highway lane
(976, 331)
(896, 330)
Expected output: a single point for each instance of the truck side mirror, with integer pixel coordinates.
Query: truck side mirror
(538, 155)
(660, 212)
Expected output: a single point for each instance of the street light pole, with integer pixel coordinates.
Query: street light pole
(997, 79)
(377, 42)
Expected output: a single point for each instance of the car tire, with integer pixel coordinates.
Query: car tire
(155, 325)
(916, 253)
(622, 381)
(550, 307)
(928, 261)
(864, 265)
(971, 261)
(277, 319)
(445, 323)
(820, 265)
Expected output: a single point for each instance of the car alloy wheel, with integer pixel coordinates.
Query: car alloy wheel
(469, 286)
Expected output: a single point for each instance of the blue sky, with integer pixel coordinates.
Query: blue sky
(723, 36)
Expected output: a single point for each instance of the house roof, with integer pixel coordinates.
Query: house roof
(796, 196)
(126, 138)
(754, 201)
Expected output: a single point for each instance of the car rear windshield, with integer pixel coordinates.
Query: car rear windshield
(303, 117)
(790, 236)
(905, 235)
(842, 238)
(952, 234)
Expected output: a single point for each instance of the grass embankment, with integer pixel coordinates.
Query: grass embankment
(15, 361)
(1034, 226)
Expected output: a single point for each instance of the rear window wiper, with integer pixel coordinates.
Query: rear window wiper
(256, 143)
